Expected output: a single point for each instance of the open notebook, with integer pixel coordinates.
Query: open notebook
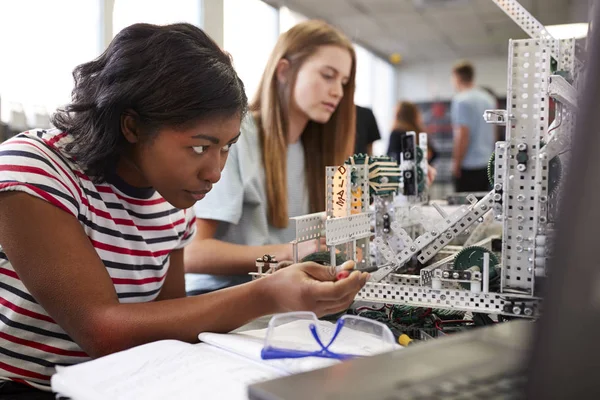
(219, 368)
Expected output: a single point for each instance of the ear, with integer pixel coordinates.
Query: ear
(282, 71)
(129, 126)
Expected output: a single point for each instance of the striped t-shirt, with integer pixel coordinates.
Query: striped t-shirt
(132, 229)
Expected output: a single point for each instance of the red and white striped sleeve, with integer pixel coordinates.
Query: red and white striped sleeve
(30, 165)
(190, 228)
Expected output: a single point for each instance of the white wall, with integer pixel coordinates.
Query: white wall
(431, 81)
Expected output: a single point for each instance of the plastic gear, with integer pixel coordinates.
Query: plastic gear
(490, 169)
(420, 180)
(419, 154)
(473, 256)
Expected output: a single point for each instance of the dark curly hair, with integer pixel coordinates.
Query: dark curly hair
(171, 75)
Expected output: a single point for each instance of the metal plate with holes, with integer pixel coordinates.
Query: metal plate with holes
(528, 23)
(309, 226)
(529, 68)
(344, 229)
(456, 299)
(466, 220)
(499, 174)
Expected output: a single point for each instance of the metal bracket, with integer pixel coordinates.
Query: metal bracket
(560, 90)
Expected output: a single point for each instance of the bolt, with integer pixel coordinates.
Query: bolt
(521, 167)
(386, 230)
(543, 220)
(498, 187)
(408, 174)
(497, 197)
(443, 297)
(446, 274)
(407, 155)
(522, 146)
(455, 275)
(516, 310)
(543, 199)
(386, 216)
(528, 311)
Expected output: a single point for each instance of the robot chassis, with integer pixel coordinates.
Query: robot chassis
(525, 171)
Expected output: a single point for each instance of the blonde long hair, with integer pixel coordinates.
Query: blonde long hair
(324, 144)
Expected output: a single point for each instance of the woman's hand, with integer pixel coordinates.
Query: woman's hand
(313, 287)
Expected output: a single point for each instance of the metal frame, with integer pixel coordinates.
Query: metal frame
(520, 199)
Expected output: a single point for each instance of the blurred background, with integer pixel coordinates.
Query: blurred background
(405, 49)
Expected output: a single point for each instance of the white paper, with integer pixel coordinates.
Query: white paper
(166, 369)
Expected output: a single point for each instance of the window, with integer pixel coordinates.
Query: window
(250, 32)
(289, 18)
(128, 12)
(41, 45)
(376, 89)
(383, 101)
(364, 77)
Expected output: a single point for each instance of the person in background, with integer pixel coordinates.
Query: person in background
(301, 120)
(473, 138)
(408, 119)
(96, 213)
(367, 131)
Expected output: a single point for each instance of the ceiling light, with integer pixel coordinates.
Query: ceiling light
(568, 31)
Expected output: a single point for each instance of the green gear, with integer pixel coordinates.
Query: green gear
(473, 256)
(419, 154)
(420, 180)
(554, 172)
(490, 169)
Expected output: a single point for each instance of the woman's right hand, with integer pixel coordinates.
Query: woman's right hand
(313, 287)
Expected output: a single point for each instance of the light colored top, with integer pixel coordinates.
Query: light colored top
(133, 231)
(239, 202)
(467, 109)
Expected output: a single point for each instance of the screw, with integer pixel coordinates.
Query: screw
(528, 311)
(520, 198)
(446, 274)
(455, 275)
(519, 238)
(519, 249)
(543, 199)
(434, 233)
(543, 220)
(522, 146)
(497, 187)
(413, 248)
(448, 235)
(521, 167)
(483, 207)
(521, 218)
(386, 216)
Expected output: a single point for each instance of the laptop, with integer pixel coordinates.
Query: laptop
(556, 357)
